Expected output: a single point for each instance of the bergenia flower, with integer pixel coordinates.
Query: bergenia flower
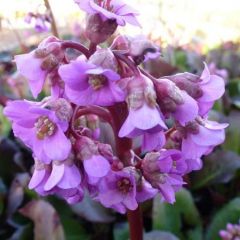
(212, 87)
(200, 138)
(40, 128)
(118, 190)
(205, 89)
(95, 164)
(175, 102)
(110, 9)
(36, 65)
(88, 84)
(144, 118)
(232, 232)
(164, 171)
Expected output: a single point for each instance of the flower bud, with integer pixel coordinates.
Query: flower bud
(105, 59)
(97, 30)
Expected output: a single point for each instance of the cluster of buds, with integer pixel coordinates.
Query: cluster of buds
(232, 232)
(104, 129)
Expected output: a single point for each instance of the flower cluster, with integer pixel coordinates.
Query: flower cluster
(104, 129)
(232, 232)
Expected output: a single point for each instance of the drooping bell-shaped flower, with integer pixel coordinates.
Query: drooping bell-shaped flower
(144, 118)
(36, 65)
(41, 128)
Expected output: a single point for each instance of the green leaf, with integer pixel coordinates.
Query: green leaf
(228, 214)
(121, 231)
(218, 167)
(159, 235)
(173, 218)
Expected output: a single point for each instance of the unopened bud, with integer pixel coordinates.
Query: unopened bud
(97, 30)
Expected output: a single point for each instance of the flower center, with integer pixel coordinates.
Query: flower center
(44, 127)
(105, 4)
(124, 185)
(97, 81)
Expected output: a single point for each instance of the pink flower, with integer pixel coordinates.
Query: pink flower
(40, 128)
(36, 65)
(175, 102)
(200, 138)
(118, 190)
(110, 9)
(88, 84)
(205, 89)
(144, 118)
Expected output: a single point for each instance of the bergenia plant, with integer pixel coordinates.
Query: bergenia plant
(147, 155)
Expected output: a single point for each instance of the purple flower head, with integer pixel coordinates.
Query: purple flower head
(232, 232)
(110, 10)
(95, 164)
(164, 170)
(205, 89)
(88, 84)
(36, 65)
(175, 102)
(144, 118)
(199, 138)
(118, 190)
(40, 128)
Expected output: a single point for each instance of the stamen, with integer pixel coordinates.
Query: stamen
(97, 81)
(124, 185)
(44, 127)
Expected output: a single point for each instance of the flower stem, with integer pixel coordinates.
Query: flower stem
(92, 48)
(53, 22)
(127, 61)
(78, 46)
(135, 224)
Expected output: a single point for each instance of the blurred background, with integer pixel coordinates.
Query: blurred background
(188, 32)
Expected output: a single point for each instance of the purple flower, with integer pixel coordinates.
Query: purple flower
(88, 84)
(110, 9)
(212, 87)
(232, 232)
(200, 139)
(95, 161)
(164, 170)
(176, 102)
(40, 129)
(36, 65)
(205, 89)
(144, 118)
(118, 190)
(60, 177)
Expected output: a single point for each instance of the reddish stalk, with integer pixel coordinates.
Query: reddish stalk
(127, 61)
(135, 224)
(123, 148)
(53, 22)
(92, 48)
(78, 46)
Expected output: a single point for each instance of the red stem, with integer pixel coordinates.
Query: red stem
(128, 62)
(135, 224)
(123, 147)
(92, 48)
(77, 46)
